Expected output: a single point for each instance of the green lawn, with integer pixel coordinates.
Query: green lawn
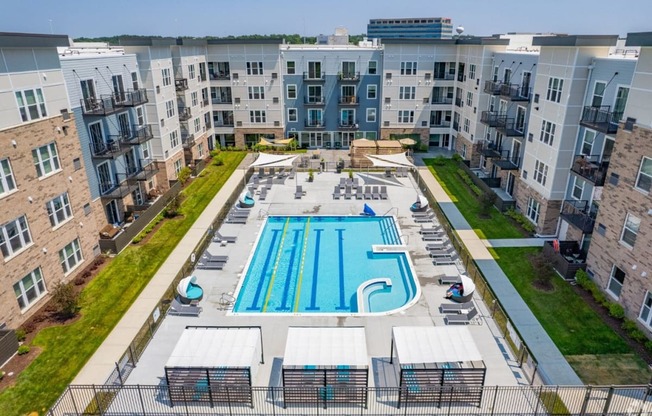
(497, 226)
(106, 298)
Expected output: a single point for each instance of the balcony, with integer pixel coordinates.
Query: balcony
(133, 98)
(581, 214)
(456, 126)
(515, 92)
(107, 150)
(507, 126)
(591, 168)
(180, 84)
(223, 123)
(348, 76)
(103, 106)
(491, 118)
(490, 150)
(204, 102)
(138, 135)
(459, 102)
(184, 114)
(493, 87)
(314, 76)
(220, 75)
(207, 124)
(187, 139)
(440, 123)
(506, 161)
(444, 76)
(146, 172)
(222, 100)
(347, 124)
(315, 124)
(568, 260)
(441, 100)
(601, 119)
(118, 188)
(349, 100)
(314, 100)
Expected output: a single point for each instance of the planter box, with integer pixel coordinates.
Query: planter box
(564, 262)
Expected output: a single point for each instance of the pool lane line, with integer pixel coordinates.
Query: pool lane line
(342, 306)
(288, 276)
(278, 259)
(315, 273)
(297, 292)
(261, 281)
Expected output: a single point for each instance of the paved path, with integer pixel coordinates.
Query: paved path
(102, 363)
(514, 242)
(553, 368)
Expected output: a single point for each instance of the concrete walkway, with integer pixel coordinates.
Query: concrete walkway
(553, 368)
(514, 242)
(102, 363)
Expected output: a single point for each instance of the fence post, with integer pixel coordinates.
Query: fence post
(117, 368)
(534, 373)
(97, 400)
(585, 404)
(140, 395)
(607, 403)
(72, 397)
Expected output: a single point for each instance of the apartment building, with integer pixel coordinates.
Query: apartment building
(48, 229)
(412, 27)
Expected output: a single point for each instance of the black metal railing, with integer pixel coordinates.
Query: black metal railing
(181, 84)
(223, 123)
(493, 87)
(145, 172)
(314, 76)
(138, 135)
(441, 100)
(315, 124)
(491, 118)
(220, 75)
(507, 161)
(347, 124)
(184, 114)
(109, 149)
(117, 188)
(349, 100)
(490, 150)
(444, 76)
(135, 97)
(102, 106)
(600, 118)
(509, 127)
(456, 126)
(515, 92)
(591, 167)
(459, 102)
(314, 100)
(348, 76)
(580, 214)
(440, 123)
(222, 100)
(187, 139)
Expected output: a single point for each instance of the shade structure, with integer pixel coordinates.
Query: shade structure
(427, 345)
(283, 142)
(391, 161)
(407, 141)
(273, 161)
(264, 142)
(469, 286)
(324, 347)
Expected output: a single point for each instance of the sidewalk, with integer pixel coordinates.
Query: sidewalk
(553, 367)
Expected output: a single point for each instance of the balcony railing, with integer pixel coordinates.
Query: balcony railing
(441, 100)
(107, 150)
(222, 100)
(146, 172)
(493, 87)
(591, 168)
(223, 123)
(456, 126)
(445, 76)
(490, 150)
(315, 124)
(515, 92)
(184, 114)
(314, 76)
(581, 214)
(180, 84)
(102, 106)
(601, 119)
(508, 127)
(349, 100)
(347, 124)
(491, 118)
(118, 188)
(135, 97)
(188, 139)
(314, 100)
(207, 124)
(220, 75)
(348, 76)
(138, 135)
(459, 102)
(440, 123)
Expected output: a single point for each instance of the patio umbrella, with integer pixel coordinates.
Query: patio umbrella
(408, 142)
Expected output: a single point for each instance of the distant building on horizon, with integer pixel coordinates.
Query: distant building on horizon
(412, 27)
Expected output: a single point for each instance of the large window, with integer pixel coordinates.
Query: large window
(46, 159)
(7, 183)
(59, 209)
(291, 91)
(547, 132)
(645, 315)
(257, 116)
(578, 188)
(644, 178)
(290, 67)
(630, 230)
(14, 236)
(469, 98)
(29, 289)
(314, 94)
(598, 93)
(467, 125)
(371, 115)
(406, 93)
(540, 172)
(194, 99)
(555, 85)
(165, 74)
(472, 71)
(169, 108)
(254, 68)
(616, 280)
(373, 68)
(191, 71)
(406, 116)
(587, 142)
(31, 104)
(174, 139)
(533, 209)
(372, 92)
(70, 256)
(408, 68)
(292, 115)
(257, 93)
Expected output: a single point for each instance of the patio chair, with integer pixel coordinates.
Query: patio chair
(367, 192)
(347, 193)
(298, 193)
(342, 183)
(272, 172)
(442, 253)
(443, 261)
(428, 213)
(178, 308)
(434, 237)
(268, 183)
(419, 220)
(375, 193)
(263, 194)
(291, 174)
(356, 183)
(261, 172)
(211, 266)
(359, 194)
(336, 192)
(255, 182)
(448, 280)
(219, 238)
(388, 173)
(463, 318)
(215, 258)
(383, 192)
(456, 307)
(239, 214)
(437, 229)
(236, 220)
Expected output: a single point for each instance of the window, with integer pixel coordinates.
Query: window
(630, 230)
(177, 166)
(616, 280)
(193, 98)
(533, 208)
(197, 124)
(371, 115)
(46, 159)
(140, 116)
(169, 108)
(167, 80)
(472, 71)
(31, 104)
(469, 98)
(254, 68)
(314, 70)
(290, 67)
(7, 183)
(540, 172)
(146, 148)
(555, 86)
(134, 81)
(292, 115)
(408, 68)
(644, 179)
(291, 91)
(191, 71)
(70, 256)
(14, 236)
(200, 150)
(29, 289)
(59, 209)
(314, 94)
(578, 188)
(598, 93)
(373, 68)
(174, 139)
(645, 316)
(587, 142)
(467, 125)
(257, 116)
(547, 132)
(372, 92)
(256, 93)
(406, 93)
(348, 70)
(406, 116)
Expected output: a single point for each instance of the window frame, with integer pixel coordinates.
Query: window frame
(409, 67)
(256, 92)
(174, 139)
(405, 116)
(547, 135)
(296, 115)
(371, 87)
(585, 142)
(642, 173)
(166, 76)
(646, 307)
(533, 207)
(472, 69)
(76, 254)
(257, 116)
(576, 186)
(24, 109)
(22, 232)
(38, 284)
(64, 207)
(293, 71)
(53, 158)
(255, 68)
(287, 91)
(407, 92)
(170, 108)
(540, 172)
(7, 188)
(368, 112)
(614, 282)
(374, 70)
(555, 88)
(628, 234)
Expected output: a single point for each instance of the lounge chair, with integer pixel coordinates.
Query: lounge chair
(261, 172)
(272, 172)
(456, 307)
(427, 213)
(367, 192)
(236, 220)
(463, 318)
(437, 229)
(420, 220)
(388, 173)
(437, 245)
(375, 193)
(336, 192)
(263, 194)
(448, 280)
(347, 193)
(219, 238)
(211, 266)
(443, 253)
(298, 193)
(434, 237)
(215, 258)
(441, 249)
(255, 182)
(178, 308)
(383, 192)
(239, 214)
(342, 183)
(442, 261)
(359, 194)
(291, 175)
(268, 183)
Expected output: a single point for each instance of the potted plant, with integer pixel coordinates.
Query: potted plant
(322, 163)
(311, 175)
(340, 165)
(350, 173)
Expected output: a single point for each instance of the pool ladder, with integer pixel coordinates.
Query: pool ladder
(262, 214)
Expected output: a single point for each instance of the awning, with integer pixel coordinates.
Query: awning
(430, 344)
(216, 347)
(391, 161)
(326, 347)
(273, 161)
(284, 142)
(264, 142)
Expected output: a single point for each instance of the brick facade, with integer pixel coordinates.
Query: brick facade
(167, 172)
(548, 212)
(278, 133)
(472, 152)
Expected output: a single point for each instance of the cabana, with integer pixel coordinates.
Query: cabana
(214, 365)
(326, 366)
(188, 290)
(420, 205)
(439, 365)
(461, 291)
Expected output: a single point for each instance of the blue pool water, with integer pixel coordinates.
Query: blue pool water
(316, 264)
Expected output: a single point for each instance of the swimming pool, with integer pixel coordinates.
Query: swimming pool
(327, 265)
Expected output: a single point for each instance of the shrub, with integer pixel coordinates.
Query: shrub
(637, 335)
(439, 161)
(628, 325)
(350, 174)
(218, 160)
(457, 157)
(487, 200)
(172, 209)
(616, 310)
(467, 179)
(648, 345)
(65, 299)
(582, 278)
(23, 349)
(21, 334)
(543, 270)
(521, 219)
(2, 375)
(184, 175)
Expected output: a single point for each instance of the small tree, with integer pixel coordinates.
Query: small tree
(543, 271)
(65, 299)
(172, 210)
(486, 200)
(184, 175)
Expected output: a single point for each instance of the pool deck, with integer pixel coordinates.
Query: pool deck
(502, 369)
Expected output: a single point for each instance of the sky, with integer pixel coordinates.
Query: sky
(92, 18)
